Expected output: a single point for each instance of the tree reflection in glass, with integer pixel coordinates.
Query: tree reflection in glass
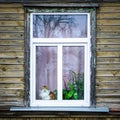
(60, 26)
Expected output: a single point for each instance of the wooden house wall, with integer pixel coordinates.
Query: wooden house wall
(108, 56)
(12, 55)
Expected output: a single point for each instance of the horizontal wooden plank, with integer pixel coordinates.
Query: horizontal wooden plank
(49, 1)
(110, 1)
(11, 67)
(110, 5)
(12, 23)
(107, 41)
(108, 60)
(111, 15)
(11, 29)
(108, 35)
(114, 79)
(111, 105)
(108, 22)
(12, 74)
(11, 99)
(109, 28)
(108, 47)
(108, 91)
(12, 10)
(5, 101)
(108, 73)
(36, 1)
(8, 86)
(108, 54)
(108, 66)
(12, 104)
(12, 42)
(108, 95)
(108, 85)
(12, 80)
(11, 16)
(12, 48)
(13, 61)
(109, 9)
(11, 5)
(11, 55)
(107, 69)
(78, 1)
(11, 35)
(108, 100)
(11, 93)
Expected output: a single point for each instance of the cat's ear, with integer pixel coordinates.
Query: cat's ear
(44, 87)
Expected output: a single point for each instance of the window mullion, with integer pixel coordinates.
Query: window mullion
(59, 72)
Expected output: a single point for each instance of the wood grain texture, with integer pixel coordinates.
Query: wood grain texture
(108, 56)
(11, 10)
(11, 55)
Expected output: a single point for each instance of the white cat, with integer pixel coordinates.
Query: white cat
(46, 94)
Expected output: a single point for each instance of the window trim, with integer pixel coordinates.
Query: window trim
(93, 55)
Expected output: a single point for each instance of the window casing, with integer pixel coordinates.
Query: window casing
(59, 45)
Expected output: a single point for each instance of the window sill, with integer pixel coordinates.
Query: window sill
(68, 109)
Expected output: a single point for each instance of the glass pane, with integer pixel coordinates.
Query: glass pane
(46, 72)
(60, 26)
(73, 72)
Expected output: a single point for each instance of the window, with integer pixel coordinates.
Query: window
(60, 58)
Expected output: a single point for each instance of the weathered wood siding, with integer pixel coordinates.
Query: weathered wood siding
(11, 55)
(108, 56)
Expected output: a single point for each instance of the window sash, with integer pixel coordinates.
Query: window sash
(85, 102)
(31, 21)
(60, 42)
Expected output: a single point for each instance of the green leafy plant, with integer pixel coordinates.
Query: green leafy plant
(75, 89)
(71, 93)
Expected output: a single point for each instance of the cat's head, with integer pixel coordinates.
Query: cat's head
(44, 89)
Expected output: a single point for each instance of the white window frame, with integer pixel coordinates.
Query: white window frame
(59, 42)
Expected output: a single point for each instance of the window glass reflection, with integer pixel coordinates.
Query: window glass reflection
(73, 73)
(60, 26)
(46, 72)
